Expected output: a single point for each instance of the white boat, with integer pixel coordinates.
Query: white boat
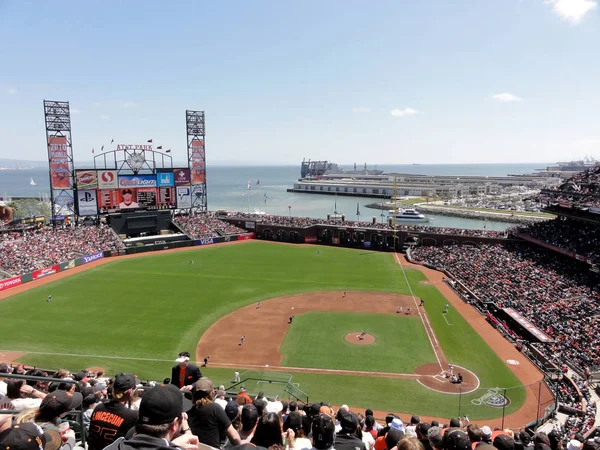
(408, 215)
(31, 182)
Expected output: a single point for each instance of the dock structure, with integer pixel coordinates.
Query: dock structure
(382, 186)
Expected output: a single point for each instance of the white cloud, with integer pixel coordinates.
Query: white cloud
(75, 111)
(403, 112)
(361, 109)
(104, 116)
(507, 97)
(127, 105)
(572, 10)
(11, 90)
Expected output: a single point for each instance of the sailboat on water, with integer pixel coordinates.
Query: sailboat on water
(31, 182)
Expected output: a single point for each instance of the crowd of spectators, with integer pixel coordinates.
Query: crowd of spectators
(304, 222)
(124, 413)
(550, 291)
(26, 251)
(199, 226)
(580, 190)
(582, 238)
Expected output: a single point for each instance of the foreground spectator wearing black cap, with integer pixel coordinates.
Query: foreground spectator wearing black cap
(55, 406)
(112, 420)
(162, 423)
(347, 438)
(323, 432)
(29, 436)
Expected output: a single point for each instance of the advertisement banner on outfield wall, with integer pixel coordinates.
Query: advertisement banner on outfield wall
(37, 274)
(310, 239)
(250, 225)
(11, 282)
(67, 265)
(246, 237)
(58, 155)
(205, 241)
(184, 197)
(92, 257)
(88, 205)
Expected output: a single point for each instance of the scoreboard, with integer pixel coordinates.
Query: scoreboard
(105, 191)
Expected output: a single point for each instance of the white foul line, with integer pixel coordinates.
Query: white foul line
(446, 319)
(430, 333)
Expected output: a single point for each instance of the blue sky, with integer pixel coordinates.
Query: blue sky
(394, 81)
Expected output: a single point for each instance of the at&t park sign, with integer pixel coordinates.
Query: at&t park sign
(134, 147)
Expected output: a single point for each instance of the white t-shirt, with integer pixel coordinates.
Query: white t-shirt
(221, 402)
(25, 403)
(2, 388)
(368, 440)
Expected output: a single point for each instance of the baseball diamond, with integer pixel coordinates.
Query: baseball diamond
(216, 304)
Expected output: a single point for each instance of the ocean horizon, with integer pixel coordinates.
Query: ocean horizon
(227, 188)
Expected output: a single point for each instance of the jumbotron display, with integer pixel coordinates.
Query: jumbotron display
(107, 191)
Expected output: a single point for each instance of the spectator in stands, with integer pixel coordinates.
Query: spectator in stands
(3, 369)
(268, 431)
(249, 421)
(162, 423)
(208, 420)
(410, 443)
(184, 374)
(323, 432)
(422, 429)
(23, 396)
(294, 422)
(457, 440)
(28, 436)
(113, 419)
(436, 437)
(55, 406)
(347, 438)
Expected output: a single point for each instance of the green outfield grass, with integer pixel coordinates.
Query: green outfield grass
(154, 306)
(316, 339)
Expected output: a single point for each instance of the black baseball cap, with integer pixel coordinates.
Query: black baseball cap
(29, 436)
(59, 402)
(123, 382)
(349, 421)
(162, 404)
(456, 440)
(249, 416)
(323, 431)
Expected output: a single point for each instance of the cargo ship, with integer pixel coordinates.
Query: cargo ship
(315, 169)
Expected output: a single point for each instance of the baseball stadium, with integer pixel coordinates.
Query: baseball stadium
(498, 329)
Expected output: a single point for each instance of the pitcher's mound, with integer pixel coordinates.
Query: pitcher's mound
(357, 339)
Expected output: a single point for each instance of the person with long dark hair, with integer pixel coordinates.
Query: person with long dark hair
(268, 431)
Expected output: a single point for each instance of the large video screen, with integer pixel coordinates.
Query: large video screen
(105, 191)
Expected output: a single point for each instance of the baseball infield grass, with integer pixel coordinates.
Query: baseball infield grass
(134, 314)
(316, 339)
